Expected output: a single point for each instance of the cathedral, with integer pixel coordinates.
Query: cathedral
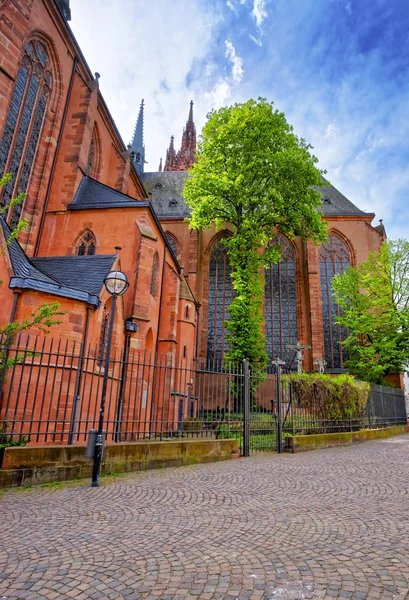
(90, 207)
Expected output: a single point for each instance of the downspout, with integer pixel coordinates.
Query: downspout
(157, 343)
(78, 381)
(7, 344)
(54, 164)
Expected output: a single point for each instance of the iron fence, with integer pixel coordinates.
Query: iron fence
(51, 395)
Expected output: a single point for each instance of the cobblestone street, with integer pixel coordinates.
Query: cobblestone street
(326, 524)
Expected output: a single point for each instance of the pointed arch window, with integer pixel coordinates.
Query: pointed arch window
(94, 155)
(155, 274)
(220, 297)
(24, 123)
(172, 243)
(87, 244)
(334, 258)
(280, 302)
(91, 157)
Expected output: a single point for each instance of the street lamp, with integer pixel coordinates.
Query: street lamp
(116, 284)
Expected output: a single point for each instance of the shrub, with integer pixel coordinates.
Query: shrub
(328, 397)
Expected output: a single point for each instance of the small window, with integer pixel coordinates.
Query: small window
(172, 243)
(158, 186)
(155, 274)
(91, 157)
(87, 244)
(173, 202)
(185, 351)
(186, 312)
(326, 201)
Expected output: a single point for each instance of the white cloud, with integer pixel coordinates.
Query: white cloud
(219, 95)
(151, 54)
(348, 8)
(231, 6)
(236, 61)
(256, 41)
(332, 130)
(259, 11)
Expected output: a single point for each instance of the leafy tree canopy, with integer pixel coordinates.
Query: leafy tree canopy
(254, 173)
(374, 302)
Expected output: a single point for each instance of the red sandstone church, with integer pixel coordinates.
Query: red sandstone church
(91, 208)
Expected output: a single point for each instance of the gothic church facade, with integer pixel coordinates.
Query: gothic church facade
(90, 207)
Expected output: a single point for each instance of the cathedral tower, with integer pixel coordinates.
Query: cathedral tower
(184, 159)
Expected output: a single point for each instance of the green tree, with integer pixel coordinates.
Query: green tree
(374, 302)
(42, 317)
(254, 173)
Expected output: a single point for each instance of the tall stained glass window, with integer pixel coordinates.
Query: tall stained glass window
(280, 303)
(334, 258)
(220, 297)
(24, 123)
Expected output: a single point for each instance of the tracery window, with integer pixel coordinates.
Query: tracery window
(87, 244)
(155, 274)
(334, 258)
(172, 243)
(220, 297)
(280, 302)
(103, 338)
(24, 123)
(91, 157)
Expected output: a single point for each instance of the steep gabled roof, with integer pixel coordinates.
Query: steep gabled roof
(63, 276)
(92, 194)
(85, 273)
(166, 188)
(336, 204)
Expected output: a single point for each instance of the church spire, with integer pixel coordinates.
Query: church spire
(137, 147)
(160, 165)
(187, 152)
(170, 162)
(184, 159)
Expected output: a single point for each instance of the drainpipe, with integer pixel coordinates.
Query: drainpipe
(157, 343)
(54, 164)
(78, 381)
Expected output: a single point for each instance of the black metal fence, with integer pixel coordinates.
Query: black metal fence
(51, 395)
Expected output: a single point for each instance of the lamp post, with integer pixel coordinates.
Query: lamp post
(116, 284)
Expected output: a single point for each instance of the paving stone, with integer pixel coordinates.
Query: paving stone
(314, 526)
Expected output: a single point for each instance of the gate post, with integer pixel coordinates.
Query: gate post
(246, 408)
(278, 364)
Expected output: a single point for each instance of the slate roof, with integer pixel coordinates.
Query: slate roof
(92, 194)
(335, 203)
(56, 275)
(85, 273)
(166, 188)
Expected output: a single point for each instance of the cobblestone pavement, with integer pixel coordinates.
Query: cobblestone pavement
(327, 524)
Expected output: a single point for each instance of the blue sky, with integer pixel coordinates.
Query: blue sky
(339, 69)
